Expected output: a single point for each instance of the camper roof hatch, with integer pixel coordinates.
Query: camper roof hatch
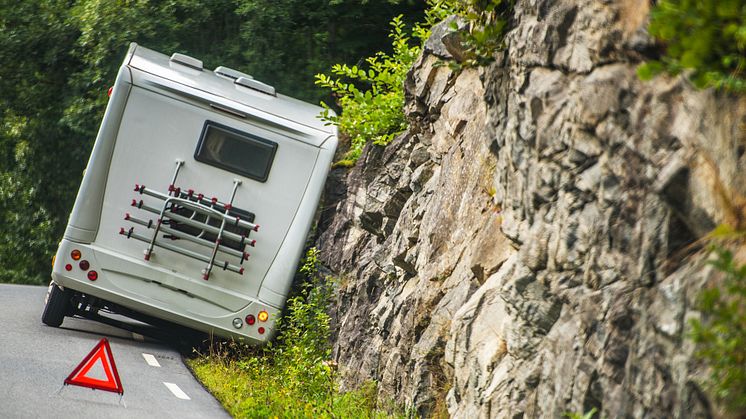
(187, 61)
(230, 73)
(256, 85)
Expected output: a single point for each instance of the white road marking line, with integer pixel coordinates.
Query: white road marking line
(150, 359)
(138, 337)
(177, 391)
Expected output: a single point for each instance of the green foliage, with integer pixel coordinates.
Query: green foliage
(372, 96)
(310, 264)
(487, 22)
(59, 58)
(705, 37)
(35, 179)
(587, 415)
(293, 376)
(374, 112)
(724, 232)
(19, 260)
(721, 334)
(437, 11)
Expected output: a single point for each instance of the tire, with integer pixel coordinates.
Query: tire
(58, 305)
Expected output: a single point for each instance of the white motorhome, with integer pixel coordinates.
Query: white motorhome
(196, 201)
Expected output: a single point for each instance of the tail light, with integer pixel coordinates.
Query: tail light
(93, 275)
(75, 254)
(263, 316)
(84, 265)
(250, 319)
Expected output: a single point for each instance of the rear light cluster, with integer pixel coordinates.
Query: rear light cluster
(83, 264)
(251, 320)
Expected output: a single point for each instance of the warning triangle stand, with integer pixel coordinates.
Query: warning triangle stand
(101, 352)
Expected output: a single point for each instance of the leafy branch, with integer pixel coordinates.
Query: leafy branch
(704, 39)
(721, 334)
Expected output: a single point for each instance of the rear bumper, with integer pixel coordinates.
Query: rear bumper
(155, 292)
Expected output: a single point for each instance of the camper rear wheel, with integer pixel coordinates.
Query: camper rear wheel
(58, 305)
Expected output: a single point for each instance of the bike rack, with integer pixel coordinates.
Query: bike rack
(168, 220)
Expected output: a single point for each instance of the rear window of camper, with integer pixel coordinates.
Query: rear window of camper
(235, 151)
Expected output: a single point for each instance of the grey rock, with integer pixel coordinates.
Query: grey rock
(528, 247)
(453, 42)
(435, 45)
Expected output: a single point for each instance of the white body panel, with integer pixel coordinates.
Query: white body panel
(156, 116)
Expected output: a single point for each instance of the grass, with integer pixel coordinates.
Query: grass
(256, 388)
(293, 376)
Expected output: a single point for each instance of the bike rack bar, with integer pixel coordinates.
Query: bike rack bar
(219, 238)
(222, 264)
(195, 224)
(181, 235)
(179, 163)
(198, 207)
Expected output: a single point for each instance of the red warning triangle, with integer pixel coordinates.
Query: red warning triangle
(101, 352)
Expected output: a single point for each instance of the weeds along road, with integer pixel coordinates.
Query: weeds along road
(35, 360)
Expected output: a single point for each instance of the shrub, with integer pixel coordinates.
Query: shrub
(721, 334)
(705, 37)
(374, 111)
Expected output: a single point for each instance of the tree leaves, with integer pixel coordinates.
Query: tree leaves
(707, 37)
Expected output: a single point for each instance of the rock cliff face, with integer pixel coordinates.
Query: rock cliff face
(531, 245)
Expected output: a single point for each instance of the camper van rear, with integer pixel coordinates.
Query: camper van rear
(196, 202)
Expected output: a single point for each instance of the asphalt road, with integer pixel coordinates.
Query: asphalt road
(35, 360)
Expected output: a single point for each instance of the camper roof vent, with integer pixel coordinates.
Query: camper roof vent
(256, 85)
(230, 73)
(187, 61)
